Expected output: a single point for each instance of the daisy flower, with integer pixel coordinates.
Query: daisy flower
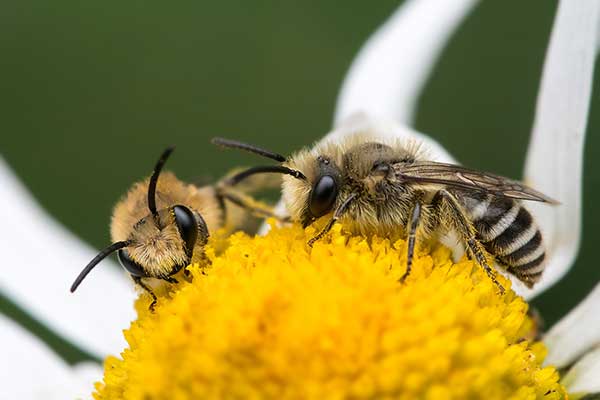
(273, 318)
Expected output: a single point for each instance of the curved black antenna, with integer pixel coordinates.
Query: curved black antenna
(102, 255)
(154, 180)
(277, 169)
(234, 144)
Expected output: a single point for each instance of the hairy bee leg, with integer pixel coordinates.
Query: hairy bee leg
(336, 215)
(478, 252)
(323, 232)
(237, 185)
(250, 204)
(138, 280)
(412, 234)
(466, 230)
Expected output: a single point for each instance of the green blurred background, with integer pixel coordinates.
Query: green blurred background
(93, 91)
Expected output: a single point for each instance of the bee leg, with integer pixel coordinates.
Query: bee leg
(251, 205)
(412, 233)
(138, 280)
(478, 253)
(323, 232)
(337, 214)
(454, 211)
(170, 279)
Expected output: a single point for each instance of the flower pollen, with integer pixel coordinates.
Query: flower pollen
(273, 318)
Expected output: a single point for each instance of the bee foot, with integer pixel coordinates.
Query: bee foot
(312, 241)
(501, 289)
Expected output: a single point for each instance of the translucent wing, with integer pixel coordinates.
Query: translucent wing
(460, 177)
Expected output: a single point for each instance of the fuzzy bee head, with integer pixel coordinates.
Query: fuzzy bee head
(152, 242)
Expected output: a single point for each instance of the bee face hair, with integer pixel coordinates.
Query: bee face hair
(316, 195)
(319, 192)
(155, 244)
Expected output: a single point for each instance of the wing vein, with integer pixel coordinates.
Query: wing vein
(429, 172)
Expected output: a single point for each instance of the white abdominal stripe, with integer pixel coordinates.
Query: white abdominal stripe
(507, 230)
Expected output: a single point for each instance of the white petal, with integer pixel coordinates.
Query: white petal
(29, 370)
(391, 69)
(584, 376)
(555, 157)
(575, 333)
(40, 261)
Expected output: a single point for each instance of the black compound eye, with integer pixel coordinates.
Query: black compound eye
(131, 266)
(323, 196)
(188, 227)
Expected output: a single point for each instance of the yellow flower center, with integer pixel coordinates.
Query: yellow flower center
(272, 318)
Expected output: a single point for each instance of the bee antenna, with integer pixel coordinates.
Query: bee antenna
(234, 144)
(278, 169)
(154, 180)
(101, 256)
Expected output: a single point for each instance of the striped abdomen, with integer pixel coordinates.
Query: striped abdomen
(507, 231)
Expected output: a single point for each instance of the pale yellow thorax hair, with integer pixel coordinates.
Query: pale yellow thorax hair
(296, 192)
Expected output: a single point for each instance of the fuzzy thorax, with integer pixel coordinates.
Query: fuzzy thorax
(273, 318)
(380, 206)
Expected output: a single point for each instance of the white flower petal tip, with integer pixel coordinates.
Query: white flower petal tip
(30, 371)
(555, 156)
(43, 261)
(584, 376)
(391, 69)
(575, 333)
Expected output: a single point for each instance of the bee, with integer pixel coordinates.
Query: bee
(389, 186)
(161, 226)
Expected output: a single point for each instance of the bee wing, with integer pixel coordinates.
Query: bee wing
(460, 177)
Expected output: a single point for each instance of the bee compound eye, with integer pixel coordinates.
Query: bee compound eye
(323, 196)
(131, 266)
(187, 226)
